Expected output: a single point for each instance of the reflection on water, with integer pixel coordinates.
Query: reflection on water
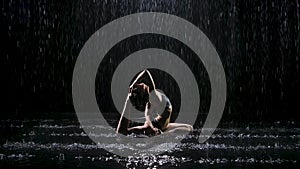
(63, 143)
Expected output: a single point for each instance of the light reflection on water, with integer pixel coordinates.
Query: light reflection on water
(66, 143)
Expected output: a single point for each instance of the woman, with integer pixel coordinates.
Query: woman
(152, 103)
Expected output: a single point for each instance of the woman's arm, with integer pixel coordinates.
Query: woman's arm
(140, 75)
(137, 78)
(147, 116)
(122, 114)
(147, 122)
(152, 81)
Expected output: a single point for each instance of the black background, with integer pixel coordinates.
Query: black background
(257, 41)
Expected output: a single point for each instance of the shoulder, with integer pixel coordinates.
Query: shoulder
(164, 99)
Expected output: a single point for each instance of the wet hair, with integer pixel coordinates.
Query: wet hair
(139, 96)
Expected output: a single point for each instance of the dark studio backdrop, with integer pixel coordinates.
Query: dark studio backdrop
(257, 41)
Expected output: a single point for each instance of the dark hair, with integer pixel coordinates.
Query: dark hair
(139, 96)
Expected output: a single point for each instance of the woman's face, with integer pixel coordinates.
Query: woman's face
(139, 96)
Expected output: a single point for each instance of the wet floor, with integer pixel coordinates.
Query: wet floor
(63, 144)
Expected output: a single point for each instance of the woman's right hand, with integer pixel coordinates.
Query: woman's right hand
(130, 90)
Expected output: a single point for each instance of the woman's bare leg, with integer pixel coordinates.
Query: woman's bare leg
(139, 127)
(143, 129)
(171, 127)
